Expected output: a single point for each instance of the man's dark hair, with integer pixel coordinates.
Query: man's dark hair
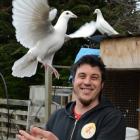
(93, 61)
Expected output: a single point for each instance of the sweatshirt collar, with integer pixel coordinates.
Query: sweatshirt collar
(104, 102)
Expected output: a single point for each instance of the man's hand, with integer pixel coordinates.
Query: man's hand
(36, 134)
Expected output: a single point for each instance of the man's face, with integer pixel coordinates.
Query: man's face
(87, 84)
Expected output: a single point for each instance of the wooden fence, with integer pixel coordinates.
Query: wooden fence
(21, 114)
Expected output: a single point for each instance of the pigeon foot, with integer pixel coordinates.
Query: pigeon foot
(57, 75)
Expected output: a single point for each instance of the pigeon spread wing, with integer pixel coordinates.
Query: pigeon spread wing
(84, 31)
(31, 21)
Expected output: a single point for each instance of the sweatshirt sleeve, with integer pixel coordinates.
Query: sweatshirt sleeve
(113, 127)
(51, 121)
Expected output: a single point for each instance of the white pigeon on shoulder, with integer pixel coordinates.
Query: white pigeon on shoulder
(102, 25)
(34, 30)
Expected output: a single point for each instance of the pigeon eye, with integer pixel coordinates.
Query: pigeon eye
(67, 13)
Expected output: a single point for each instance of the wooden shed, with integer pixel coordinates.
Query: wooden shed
(121, 55)
(121, 52)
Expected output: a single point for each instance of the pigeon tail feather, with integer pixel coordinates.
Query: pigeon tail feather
(25, 66)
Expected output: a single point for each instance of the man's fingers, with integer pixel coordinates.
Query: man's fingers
(20, 137)
(41, 132)
(36, 134)
(25, 135)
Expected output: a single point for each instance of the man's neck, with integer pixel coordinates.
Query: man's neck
(81, 109)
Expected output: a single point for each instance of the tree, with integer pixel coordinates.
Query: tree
(121, 14)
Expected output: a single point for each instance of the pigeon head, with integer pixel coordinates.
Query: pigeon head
(97, 11)
(68, 15)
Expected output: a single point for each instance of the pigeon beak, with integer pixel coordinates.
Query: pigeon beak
(94, 12)
(74, 16)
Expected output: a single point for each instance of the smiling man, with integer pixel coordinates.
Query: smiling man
(91, 116)
(88, 84)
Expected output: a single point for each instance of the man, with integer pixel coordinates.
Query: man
(91, 116)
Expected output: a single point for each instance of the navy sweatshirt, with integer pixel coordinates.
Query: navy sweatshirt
(103, 122)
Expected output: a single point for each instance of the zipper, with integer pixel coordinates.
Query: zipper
(73, 129)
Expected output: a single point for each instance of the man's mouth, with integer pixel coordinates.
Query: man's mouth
(86, 90)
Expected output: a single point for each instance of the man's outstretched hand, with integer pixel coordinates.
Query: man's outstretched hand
(36, 134)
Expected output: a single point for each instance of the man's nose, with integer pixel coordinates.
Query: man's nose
(87, 81)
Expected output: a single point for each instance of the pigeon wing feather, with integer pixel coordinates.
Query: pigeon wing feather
(105, 27)
(85, 30)
(31, 21)
(52, 14)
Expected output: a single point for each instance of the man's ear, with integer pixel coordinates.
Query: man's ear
(72, 80)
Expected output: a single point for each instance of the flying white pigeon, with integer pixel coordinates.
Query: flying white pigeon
(32, 21)
(102, 25)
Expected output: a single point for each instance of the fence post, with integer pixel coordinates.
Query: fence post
(48, 92)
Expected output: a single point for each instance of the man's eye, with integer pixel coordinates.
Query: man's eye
(95, 78)
(81, 76)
